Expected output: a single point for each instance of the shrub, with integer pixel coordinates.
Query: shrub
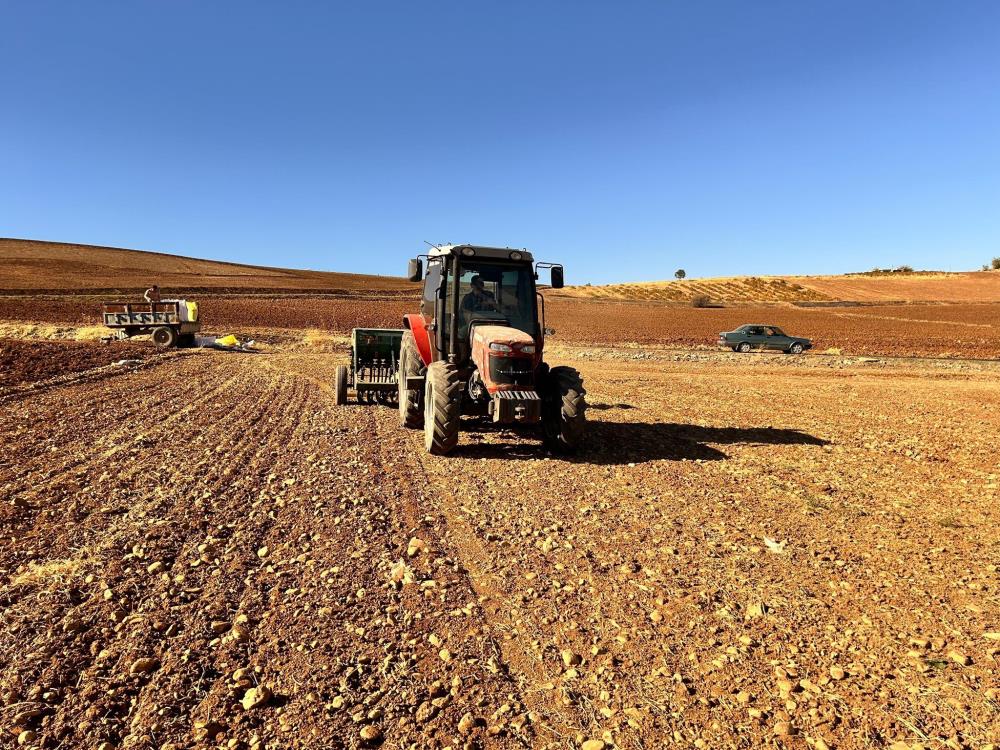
(701, 300)
(996, 264)
(680, 273)
(904, 269)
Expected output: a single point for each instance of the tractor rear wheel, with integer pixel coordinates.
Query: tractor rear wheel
(442, 407)
(411, 407)
(564, 411)
(164, 337)
(340, 382)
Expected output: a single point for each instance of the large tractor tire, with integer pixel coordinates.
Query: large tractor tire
(340, 385)
(442, 407)
(564, 411)
(411, 400)
(164, 337)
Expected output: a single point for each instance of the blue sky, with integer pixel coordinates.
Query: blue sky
(623, 139)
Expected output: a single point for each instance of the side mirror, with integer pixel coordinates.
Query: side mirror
(415, 270)
(557, 277)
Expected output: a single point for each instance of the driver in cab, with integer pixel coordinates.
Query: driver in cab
(479, 299)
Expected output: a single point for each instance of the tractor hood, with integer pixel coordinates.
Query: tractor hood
(485, 335)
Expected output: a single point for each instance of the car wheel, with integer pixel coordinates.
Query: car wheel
(744, 347)
(795, 348)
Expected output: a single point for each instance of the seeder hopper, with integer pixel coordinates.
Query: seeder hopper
(374, 366)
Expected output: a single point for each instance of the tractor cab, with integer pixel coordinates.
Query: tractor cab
(479, 338)
(476, 286)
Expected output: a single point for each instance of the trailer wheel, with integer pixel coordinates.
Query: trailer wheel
(340, 381)
(442, 407)
(564, 411)
(411, 407)
(164, 337)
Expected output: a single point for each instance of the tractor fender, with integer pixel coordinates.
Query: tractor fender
(421, 336)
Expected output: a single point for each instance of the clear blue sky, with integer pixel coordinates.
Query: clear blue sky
(624, 139)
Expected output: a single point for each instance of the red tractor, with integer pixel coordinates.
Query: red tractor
(475, 348)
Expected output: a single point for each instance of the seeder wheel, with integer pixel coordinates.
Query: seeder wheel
(340, 386)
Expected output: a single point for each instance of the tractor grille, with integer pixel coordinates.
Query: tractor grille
(512, 371)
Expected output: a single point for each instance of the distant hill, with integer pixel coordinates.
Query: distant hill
(727, 289)
(922, 286)
(33, 266)
(30, 265)
(975, 286)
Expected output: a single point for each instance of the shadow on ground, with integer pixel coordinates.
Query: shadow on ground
(612, 443)
(605, 407)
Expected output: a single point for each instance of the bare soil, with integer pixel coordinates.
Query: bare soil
(762, 551)
(953, 330)
(32, 265)
(32, 361)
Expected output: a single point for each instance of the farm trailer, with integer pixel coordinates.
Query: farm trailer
(170, 322)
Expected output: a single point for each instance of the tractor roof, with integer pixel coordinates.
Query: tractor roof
(480, 251)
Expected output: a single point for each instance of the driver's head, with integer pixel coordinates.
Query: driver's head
(477, 283)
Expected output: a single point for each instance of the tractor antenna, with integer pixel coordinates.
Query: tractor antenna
(436, 247)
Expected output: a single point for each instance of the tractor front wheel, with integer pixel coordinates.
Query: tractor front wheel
(564, 411)
(340, 383)
(442, 407)
(411, 410)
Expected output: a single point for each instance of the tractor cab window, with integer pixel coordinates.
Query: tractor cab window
(489, 291)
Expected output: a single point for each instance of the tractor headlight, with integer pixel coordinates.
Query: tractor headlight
(500, 347)
(528, 348)
(467, 251)
(515, 255)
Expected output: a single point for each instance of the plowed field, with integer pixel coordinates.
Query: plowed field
(206, 552)
(29, 361)
(971, 331)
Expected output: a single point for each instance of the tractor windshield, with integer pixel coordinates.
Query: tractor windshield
(492, 291)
